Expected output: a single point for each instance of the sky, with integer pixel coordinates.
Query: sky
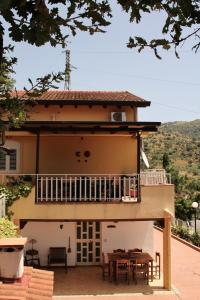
(103, 62)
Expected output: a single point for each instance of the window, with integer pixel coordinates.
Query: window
(10, 163)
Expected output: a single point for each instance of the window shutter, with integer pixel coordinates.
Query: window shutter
(2, 161)
(13, 160)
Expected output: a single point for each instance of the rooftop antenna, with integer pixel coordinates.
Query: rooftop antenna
(68, 69)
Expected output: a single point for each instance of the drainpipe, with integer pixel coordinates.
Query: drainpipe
(138, 135)
(37, 162)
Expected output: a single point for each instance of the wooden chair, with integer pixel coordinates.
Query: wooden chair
(57, 255)
(122, 268)
(134, 250)
(105, 268)
(141, 270)
(119, 251)
(156, 265)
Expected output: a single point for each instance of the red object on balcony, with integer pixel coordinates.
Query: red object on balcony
(133, 193)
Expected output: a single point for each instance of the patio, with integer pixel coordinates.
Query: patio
(88, 281)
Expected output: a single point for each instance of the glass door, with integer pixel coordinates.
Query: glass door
(88, 243)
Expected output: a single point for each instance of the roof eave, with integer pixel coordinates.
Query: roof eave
(85, 126)
(92, 102)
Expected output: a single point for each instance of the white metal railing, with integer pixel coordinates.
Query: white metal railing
(154, 177)
(90, 187)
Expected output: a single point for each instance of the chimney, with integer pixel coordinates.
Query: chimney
(11, 258)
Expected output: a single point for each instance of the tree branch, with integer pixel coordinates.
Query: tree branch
(1, 47)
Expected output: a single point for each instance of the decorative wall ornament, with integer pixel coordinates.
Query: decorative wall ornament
(78, 153)
(87, 153)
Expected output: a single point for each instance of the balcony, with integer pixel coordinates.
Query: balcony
(76, 188)
(51, 201)
(95, 188)
(86, 188)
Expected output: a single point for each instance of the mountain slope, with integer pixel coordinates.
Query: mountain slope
(191, 129)
(181, 141)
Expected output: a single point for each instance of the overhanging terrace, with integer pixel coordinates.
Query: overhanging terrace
(88, 126)
(90, 188)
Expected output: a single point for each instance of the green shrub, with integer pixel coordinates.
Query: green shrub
(7, 228)
(14, 190)
(195, 239)
(182, 233)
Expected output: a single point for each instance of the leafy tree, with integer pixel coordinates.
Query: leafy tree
(41, 21)
(13, 106)
(180, 17)
(38, 22)
(177, 179)
(183, 209)
(166, 161)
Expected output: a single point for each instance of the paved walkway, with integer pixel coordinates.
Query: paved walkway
(185, 276)
(185, 269)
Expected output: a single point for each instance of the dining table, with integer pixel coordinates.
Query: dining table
(133, 256)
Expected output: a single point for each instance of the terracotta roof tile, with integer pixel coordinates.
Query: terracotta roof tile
(34, 285)
(104, 96)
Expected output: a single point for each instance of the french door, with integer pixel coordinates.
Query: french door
(88, 243)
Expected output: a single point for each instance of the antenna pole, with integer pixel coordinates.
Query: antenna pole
(67, 71)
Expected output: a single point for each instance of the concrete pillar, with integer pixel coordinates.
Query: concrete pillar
(167, 251)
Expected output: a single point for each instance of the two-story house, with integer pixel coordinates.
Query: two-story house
(83, 150)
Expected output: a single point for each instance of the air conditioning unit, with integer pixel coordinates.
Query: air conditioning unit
(118, 116)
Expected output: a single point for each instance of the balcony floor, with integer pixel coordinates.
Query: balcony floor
(88, 281)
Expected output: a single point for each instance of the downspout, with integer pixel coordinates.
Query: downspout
(37, 163)
(138, 164)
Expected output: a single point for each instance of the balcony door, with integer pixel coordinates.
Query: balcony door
(88, 243)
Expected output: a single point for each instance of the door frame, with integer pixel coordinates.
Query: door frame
(87, 241)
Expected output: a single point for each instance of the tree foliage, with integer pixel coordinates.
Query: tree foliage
(7, 228)
(38, 22)
(166, 161)
(41, 21)
(176, 149)
(182, 19)
(183, 209)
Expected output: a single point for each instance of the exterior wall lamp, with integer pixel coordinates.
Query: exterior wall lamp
(195, 205)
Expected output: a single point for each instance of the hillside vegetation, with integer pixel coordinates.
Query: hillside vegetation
(181, 141)
(176, 148)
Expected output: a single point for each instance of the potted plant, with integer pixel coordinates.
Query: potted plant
(133, 190)
(11, 251)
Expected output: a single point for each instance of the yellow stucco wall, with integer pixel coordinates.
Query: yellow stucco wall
(81, 113)
(109, 154)
(155, 200)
